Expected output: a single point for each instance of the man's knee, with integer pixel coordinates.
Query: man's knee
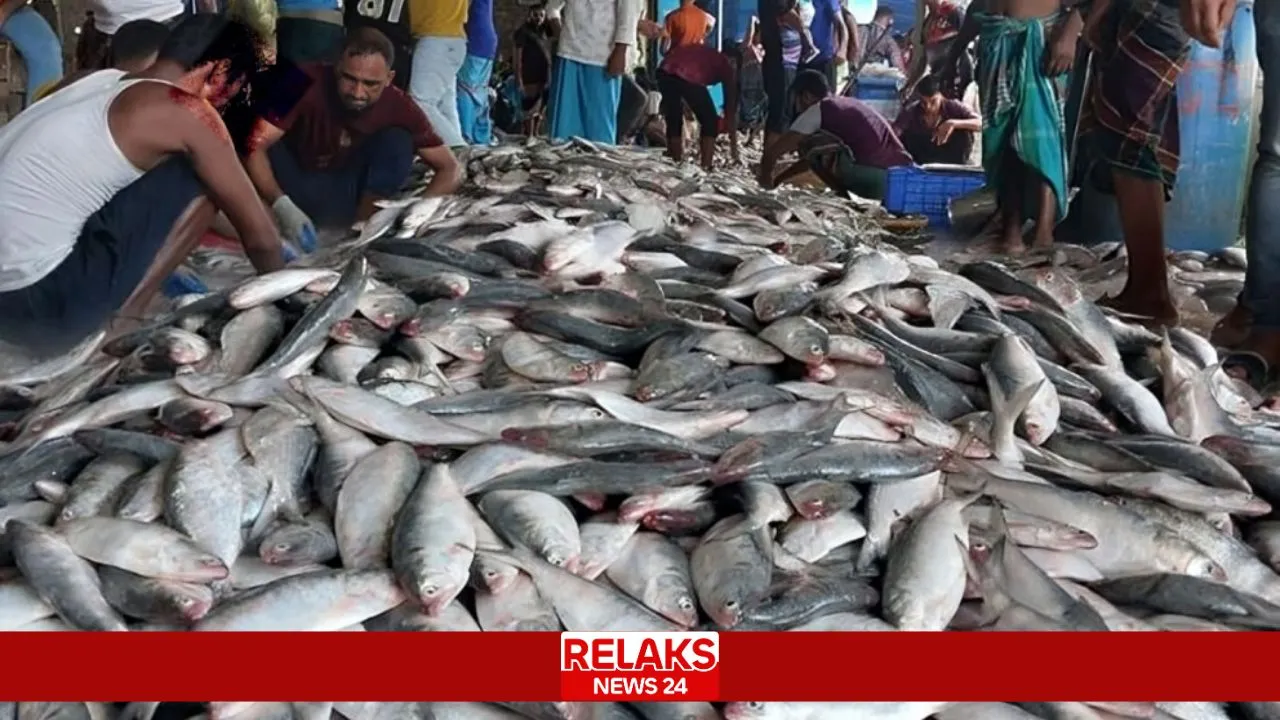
(390, 158)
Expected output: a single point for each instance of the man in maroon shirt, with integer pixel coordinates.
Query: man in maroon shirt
(348, 142)
(842, 140)
(935, 128)
(683, 77)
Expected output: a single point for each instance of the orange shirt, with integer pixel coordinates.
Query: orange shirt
(688, 26)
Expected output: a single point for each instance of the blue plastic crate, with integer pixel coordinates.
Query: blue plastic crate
(870, 88)
(912, 190)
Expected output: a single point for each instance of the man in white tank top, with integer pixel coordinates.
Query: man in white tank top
(107, 185)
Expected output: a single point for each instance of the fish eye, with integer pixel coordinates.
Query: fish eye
(430, 591)
(756, 705)
(731, 604)
(815, 349)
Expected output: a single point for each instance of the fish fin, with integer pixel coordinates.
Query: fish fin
(967, 477)
(999, 524)
(970, 568)
(516, 557)
(1016, 405)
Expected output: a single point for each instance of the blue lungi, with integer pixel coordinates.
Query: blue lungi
(584, 102)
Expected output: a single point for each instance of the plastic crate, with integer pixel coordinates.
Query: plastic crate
(913, 190)
(871, 89)
(888, 109)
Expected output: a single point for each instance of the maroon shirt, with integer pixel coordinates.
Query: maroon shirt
(698, 64)
(911, 120)
(866, 132)
(322, 133)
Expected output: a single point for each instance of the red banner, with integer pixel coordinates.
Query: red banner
(353, 666)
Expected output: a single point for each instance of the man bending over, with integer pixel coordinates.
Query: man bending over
(842, 140)
(107, 185)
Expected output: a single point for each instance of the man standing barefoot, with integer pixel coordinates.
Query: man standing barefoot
(1131, 118)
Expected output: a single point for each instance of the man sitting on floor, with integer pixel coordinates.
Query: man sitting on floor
(842, 140)
(349, 142)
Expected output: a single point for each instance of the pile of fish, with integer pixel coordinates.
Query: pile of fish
(607, 400)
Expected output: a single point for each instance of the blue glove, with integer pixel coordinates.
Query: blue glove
(294, 224)
(183, 282)
(289, 253)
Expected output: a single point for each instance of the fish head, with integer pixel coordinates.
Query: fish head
(821, 372)
(751, 711)
(411, 327)
(1231, 449)
(1037, 431)
(562, 558)
(279, 549)
(1057, 284)
(727, 613)
(343, 330)
(580, 372)
(497, 577)
(1201, 566)
(192, 601)
(435, 594)
(532, 437)
(205, 568)
(683, 610)
(594, 501)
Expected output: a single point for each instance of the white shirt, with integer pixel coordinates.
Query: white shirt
(109, 15)
(590, 28)
(809, 121)
(59, 164)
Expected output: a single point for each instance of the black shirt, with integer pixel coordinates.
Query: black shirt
(534, 45)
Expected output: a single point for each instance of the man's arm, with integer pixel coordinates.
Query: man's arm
(853, 48)
(258, 165)
(517, 60)
(553, 15)
(731, 89)
(9, 7)
(448, 172)
(1061, 53)
(626, 17)
(214, 158)
(841, 31)
(1204, 20)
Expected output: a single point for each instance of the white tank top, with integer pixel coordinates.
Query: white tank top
(109, 15)
(59, 164)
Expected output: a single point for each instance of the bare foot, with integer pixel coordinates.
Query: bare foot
(1043, 239)
(1159, 310)
(1233, 329)
(1264, 343)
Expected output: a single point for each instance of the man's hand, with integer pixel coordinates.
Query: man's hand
(295, 226)
(1205, 19)
(649, 29)
(1061, 55)
(942, 133)
(617, 64)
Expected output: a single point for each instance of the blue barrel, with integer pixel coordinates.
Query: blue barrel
(1217, 108)
(41, 51)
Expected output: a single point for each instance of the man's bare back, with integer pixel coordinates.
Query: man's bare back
(152, 121)
(1018, 9)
